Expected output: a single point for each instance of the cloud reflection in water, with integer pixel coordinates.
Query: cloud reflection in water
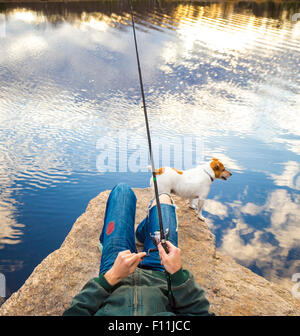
(215, 71)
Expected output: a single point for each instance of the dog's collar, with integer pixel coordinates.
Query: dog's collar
(211, 178)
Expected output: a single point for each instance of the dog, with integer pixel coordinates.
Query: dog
(192, 184)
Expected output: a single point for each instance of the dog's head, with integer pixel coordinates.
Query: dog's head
(219, 169)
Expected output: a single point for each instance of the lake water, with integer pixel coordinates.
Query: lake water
(221, 80)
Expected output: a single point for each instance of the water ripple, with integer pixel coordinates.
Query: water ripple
(225, 73)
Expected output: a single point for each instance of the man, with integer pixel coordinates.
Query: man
(132, 283)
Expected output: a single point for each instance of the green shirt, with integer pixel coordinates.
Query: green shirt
(144, 292)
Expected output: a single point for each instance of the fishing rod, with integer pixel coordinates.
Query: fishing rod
(162, 233)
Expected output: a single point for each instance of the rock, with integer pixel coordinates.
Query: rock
(231, 288)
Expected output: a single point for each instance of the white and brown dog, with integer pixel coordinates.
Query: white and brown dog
(192, 184)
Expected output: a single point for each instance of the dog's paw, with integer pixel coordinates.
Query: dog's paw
(193, 206)
(201, 217)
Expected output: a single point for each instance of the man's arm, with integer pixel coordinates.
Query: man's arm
(90, 299)
(189, 297)
(97, 290)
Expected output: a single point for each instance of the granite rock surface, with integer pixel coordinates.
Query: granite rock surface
(231, 288)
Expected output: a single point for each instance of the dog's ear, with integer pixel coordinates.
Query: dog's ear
(215, 164)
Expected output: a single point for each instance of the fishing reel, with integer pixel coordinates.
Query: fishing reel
(156, 239)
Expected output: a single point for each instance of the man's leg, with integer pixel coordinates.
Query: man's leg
(151, 224)
(118, 229)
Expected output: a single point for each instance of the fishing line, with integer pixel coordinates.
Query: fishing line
(162, 233)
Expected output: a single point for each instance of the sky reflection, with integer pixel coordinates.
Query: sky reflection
(226, 73)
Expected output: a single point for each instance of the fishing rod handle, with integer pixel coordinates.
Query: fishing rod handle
(164, 245)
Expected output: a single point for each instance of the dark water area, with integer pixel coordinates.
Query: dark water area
(221, 80)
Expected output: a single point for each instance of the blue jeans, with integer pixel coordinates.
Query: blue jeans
(118, 230)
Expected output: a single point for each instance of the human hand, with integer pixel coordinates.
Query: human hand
(171, 260)
(125, 264)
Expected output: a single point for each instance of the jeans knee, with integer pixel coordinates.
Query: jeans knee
(166, 199)
(163, 199)
(123, 188)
